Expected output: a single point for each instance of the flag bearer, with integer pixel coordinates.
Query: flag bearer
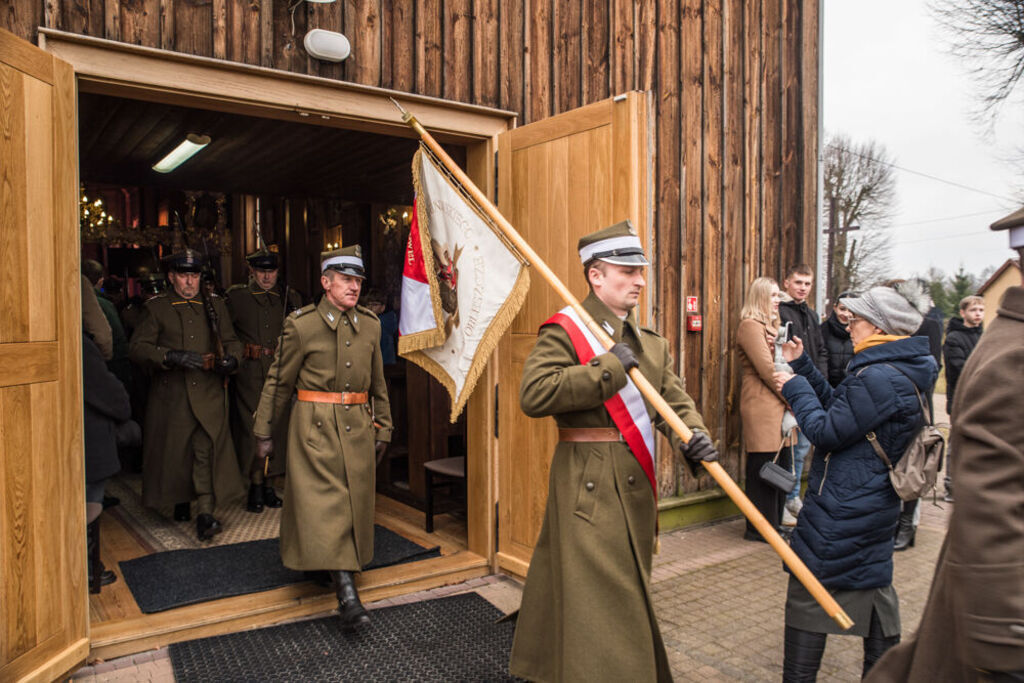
(257, 312)
(330, 354)
(587, 613)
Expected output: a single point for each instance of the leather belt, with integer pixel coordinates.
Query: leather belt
(345, 398)
(255, 351)
(593, 434)
(208, 361)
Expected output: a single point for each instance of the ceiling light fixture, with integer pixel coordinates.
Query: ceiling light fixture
(182, 153)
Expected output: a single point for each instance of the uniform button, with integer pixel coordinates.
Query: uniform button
(348, 428)
(347, 385)
(590, 486)
(348, 343)
(319, 423)
(606, 375)
(191, 336)
(347, 406)
(631, 479)
(193, 383)
(595, 362)
(346, 321)
(348, 364)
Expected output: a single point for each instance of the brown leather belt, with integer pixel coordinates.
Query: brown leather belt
(345, 398)
(208, 361)
(255, 351)
(593, 434)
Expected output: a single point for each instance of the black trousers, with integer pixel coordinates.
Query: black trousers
(803, 650)
(767, 499)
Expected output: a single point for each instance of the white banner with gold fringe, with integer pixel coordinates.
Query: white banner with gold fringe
(461, 284)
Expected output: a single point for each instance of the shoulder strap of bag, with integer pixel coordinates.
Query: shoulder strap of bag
(872, 438)
(925, 412)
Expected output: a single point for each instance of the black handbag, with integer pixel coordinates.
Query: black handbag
(774, 474)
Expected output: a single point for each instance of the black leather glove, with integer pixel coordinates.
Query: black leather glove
(700, 448)
(625, 356)
(190, 360)
(225, 365)
(380, 448)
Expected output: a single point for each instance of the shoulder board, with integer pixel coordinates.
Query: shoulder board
(235, 288)
(649, 330)
(367, 312)
(304, 309)
(155, 299)
(214, 295)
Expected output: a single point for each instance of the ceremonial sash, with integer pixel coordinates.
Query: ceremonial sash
(627, 408)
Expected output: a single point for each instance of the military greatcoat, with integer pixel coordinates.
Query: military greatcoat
(587, 613)
(180, 401)
(257, 315)
(327, 520)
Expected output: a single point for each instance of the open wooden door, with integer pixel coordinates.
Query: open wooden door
(43, 594)
(558, 179)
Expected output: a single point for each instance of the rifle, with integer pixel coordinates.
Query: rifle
(211, 313)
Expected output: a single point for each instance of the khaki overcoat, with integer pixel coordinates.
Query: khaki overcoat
(327, 520)
(180, 401)
(974, 618)
(257, 316)
(761, 406)
(587, 612)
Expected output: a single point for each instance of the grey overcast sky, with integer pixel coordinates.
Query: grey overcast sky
(887, 76)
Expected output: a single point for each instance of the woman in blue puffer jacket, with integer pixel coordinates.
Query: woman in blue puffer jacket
(845, 530)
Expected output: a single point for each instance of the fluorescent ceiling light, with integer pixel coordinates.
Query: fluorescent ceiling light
(182, 153)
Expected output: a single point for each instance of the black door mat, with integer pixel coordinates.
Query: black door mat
(447, 639)
(176, 578)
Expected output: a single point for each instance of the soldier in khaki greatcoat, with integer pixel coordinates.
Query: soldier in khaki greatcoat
(257, 313)
(187, 451)
(587, 613)
(330, 354)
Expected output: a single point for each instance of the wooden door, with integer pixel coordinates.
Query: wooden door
(43, 594)
(558, 179)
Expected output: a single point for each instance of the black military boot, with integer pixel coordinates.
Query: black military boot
(99, 575)
(255, 503)
(351, 611)
(182, 512)
(270, 498)
(906, 531)
(207, 526)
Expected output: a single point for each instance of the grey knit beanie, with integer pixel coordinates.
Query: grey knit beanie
(889, 309)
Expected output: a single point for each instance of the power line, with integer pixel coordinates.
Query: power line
(945, 237)
(948, 218)
(924, 175)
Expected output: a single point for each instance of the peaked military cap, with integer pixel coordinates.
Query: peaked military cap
(1015, 224)
(187, 261)
(347, 260)
(264, 258)
(616, 244)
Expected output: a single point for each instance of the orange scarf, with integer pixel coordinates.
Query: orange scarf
(875, 340)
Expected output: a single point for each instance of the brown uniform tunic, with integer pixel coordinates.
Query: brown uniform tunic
(327, 520)
(187, 410)
(257, 316)
(587, 613)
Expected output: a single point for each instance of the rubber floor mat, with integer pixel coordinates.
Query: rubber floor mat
(175, 578)
(447, 639)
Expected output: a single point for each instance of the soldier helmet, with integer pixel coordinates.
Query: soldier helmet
(616, 244)
(347, 260)
(186, 261)
(264, 258)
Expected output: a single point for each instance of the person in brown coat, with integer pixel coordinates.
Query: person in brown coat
(972, 628)
(761, 406)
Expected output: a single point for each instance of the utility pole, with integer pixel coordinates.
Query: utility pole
(833, 229)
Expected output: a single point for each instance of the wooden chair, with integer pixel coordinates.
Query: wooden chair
(453, 471)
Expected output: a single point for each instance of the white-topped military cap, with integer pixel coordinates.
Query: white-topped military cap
(347, 260)
(616, 244)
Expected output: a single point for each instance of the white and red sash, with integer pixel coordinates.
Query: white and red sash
(627, 408)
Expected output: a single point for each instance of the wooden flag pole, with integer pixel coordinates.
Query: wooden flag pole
(795, 564)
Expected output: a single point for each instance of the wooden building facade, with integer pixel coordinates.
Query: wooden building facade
(719, 101)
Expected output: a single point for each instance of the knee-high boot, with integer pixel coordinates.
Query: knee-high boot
(876, 644)
(906, 530)
(801, 655)
(99, 575)
(351, 611)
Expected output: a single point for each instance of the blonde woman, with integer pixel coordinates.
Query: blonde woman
(761, 405)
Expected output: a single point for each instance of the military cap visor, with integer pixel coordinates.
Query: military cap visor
(263, 260)
(348, 265)
(188, 261)
(625, 250)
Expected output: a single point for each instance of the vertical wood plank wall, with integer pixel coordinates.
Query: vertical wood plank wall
(735, 114)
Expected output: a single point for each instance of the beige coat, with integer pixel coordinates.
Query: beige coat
(587, 612)
(974, 618)
(327, 520)
(761, 406)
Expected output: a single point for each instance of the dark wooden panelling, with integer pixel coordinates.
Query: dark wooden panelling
(735, 115)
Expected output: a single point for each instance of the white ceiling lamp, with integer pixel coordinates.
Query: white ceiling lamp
(329, 46)
(182, 153)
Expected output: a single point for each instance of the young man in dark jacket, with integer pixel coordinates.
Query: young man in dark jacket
(806, 326)
(962, 335)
